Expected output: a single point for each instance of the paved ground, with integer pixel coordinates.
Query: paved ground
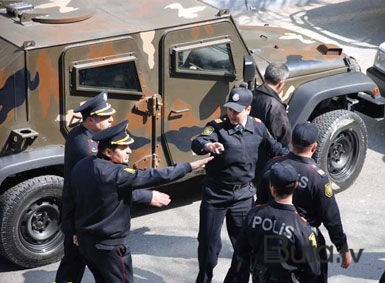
(164, 241)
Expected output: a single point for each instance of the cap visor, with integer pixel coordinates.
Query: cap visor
(234, 106)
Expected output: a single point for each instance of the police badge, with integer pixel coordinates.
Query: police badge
(328, 190)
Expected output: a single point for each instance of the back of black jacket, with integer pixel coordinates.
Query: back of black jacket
(268, 107)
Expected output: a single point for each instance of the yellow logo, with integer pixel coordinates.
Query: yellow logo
(313, 240)
(130, 170)
(328, 190)
(207, 131)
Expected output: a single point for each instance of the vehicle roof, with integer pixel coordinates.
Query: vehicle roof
(104, 18)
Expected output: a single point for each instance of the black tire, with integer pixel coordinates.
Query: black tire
(342, 145)
(30, 214)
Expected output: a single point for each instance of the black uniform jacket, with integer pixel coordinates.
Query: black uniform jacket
(103, 193)
(276, 225)
(313, 198)
(237, 163)
(79, 144)
(268, 107)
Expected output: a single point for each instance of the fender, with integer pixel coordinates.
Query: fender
(31, 159)
(310, 94)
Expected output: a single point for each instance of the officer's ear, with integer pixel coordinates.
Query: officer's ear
(280, 85)
(248, 109)
(314, 147)
(108, 152)
(272, 191)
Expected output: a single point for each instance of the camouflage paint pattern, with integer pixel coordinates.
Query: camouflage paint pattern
(37, 91)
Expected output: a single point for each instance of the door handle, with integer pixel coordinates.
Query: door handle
(180, 111)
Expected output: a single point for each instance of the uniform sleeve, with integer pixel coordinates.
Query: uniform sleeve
(272, 146)
(306, 246)
(330, 214)
(278, 124)
(142, 196)
(130, 178)
(209, 134)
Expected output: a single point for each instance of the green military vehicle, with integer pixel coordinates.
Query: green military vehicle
(168, 68)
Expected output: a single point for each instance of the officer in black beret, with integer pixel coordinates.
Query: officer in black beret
(97, 116)
(103, 187)
(314, 198)
(276, 243)
(234, 140)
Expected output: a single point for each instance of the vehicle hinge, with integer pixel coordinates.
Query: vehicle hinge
(147, 161)
(154, 105)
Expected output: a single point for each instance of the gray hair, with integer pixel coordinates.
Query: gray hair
(276, 72)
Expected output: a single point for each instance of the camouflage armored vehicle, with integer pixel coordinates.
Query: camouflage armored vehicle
(168, 67)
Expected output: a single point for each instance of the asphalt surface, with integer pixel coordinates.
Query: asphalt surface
(163, 242)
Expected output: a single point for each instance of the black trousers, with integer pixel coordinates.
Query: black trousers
(72, 265)
(323, 278)
(108, 264)
(209, 237)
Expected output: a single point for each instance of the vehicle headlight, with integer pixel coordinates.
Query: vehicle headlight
(379, 61)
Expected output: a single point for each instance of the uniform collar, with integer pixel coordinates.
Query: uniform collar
(89, 133)
(278, 205)
(301, 159)
(270, 92)
(231, 128)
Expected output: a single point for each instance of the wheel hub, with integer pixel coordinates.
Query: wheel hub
(40, 222)
(341, 153)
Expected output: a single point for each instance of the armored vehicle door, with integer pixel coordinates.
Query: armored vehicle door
(114, 65)
(200, 66)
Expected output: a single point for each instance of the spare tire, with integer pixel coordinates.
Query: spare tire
(342, 145)
(30, 218)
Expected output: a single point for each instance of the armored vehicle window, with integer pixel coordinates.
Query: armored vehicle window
(214, 59)
(108, 74)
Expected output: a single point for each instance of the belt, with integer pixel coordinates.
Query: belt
(232, 186)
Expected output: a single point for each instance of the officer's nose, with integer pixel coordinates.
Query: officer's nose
(129, 151)
(111, 119)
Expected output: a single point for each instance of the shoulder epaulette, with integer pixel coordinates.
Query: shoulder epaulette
(318, 170)
(262, 204)
(258, 121)
(279, 156)
(300, 217)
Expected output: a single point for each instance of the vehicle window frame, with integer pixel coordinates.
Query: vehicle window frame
(177, 49)
(78, 66)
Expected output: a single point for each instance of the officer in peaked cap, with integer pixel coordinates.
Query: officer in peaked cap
(234, 140)
(103, 187)
(97, 115)
(273, 226)
(314, 198)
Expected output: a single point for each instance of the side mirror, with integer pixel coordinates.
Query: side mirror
(249, 67)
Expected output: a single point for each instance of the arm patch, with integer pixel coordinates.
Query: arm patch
(208, 130)
(130, 170)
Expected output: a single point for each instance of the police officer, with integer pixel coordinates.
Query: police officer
(97, 116)
(314, 198)
(103, 188)
(268, 106)
(276, 242)
(234, 140)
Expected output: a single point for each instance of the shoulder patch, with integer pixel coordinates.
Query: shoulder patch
(258, 121)
(208, 130)
(92, 145)
(318, 170)
(300, 217)
(218, 121)
(328, 190)
(129, 170)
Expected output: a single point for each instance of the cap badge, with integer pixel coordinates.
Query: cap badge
(235, 97)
